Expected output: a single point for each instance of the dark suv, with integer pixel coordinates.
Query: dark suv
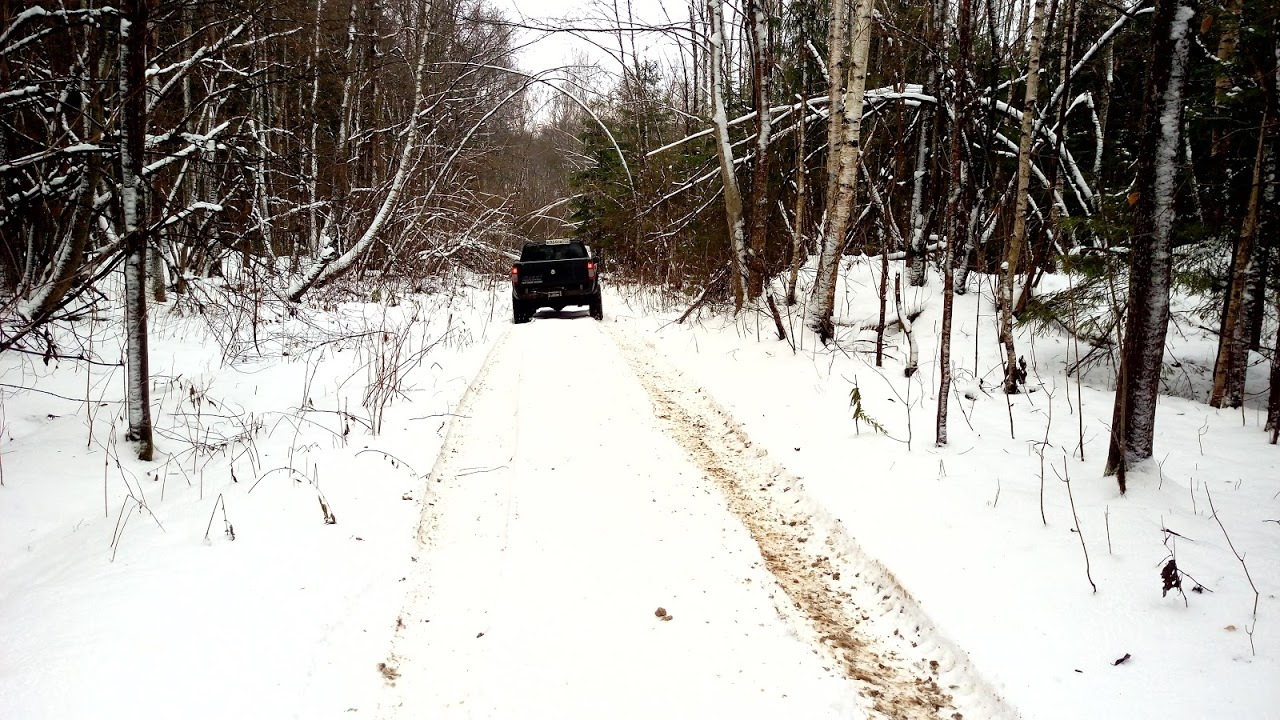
(555, 274)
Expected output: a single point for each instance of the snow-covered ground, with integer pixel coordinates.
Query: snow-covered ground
(961, 527)
(123, 593)
(289, 619)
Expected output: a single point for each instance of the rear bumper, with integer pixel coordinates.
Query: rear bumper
(558, 295)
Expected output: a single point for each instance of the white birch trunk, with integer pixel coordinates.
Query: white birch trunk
(840, 205)
(133, 121)
(763, 72)
(313, 225)
(954, 220)
(724, 150)
(1018, 237)
(837, 78)
(916, 274)
(1142, 360)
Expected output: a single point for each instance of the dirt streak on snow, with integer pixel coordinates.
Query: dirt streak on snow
(854, 608)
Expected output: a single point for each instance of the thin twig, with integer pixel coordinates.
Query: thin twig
(1106, 519)
(226, 523)
(1247, 576)
(388, 456)
(53, 394)
(1066, 478)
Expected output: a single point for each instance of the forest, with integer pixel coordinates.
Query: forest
(171, 156)
(938, 373)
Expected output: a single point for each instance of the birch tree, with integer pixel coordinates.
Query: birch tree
(844, 143)
(916, 272)
(1150, 248)
(133, 36)
(724, 152)
(760, 20)
(956, 217)
(1013, 258)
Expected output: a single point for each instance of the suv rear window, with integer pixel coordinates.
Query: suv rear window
(566, 251)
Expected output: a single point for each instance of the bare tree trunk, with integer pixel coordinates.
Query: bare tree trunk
(313, 139)
(1104, 113)
(801, 212)
(956, 218)
(917, 264)
(155, 273)
(848, 136)
(837, 71)
(1053, 232)
(1227, 40)
(1272, 217)
(1273, 399)
(1150, 252)
(1013, 257)
(888, 240)
(133, 119)
(760, 19)
(884, 297)
(1024, 17)
(1233, 345)
(913, 351)
(724, 150)
(916, 275)
(69, 260)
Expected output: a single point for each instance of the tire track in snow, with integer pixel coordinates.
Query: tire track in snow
(401, 658)
(844, 602)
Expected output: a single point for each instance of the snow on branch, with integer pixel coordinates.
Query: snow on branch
(36, 157)
(1129, 13)
(37, 11)
(190, 210)
(181, 68)
(19, 93)
(196, 143)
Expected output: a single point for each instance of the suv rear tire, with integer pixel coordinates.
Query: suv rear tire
(519, 313)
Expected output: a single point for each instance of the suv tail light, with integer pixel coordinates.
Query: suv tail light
(515, 274)
(591, 269)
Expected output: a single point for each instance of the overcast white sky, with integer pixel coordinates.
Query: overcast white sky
(555, 50)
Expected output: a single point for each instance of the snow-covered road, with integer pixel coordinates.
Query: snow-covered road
(564, 511)
(562, 518)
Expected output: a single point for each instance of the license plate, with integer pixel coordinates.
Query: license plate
(553, 293)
